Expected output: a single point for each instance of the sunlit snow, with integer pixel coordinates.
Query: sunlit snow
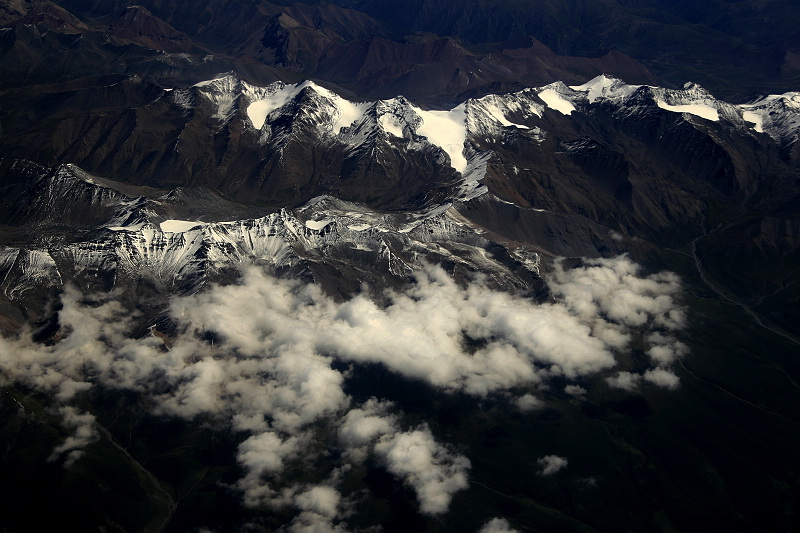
(703, 111)
(135, 227)
(259, 110)
(497, 114)
(756, 119)
(359, 227)
(603, 86)
(179, 226)
(349, 111)
(391, 124)
(447, 130)
(775, 114)
(317, 225)
(556, 101)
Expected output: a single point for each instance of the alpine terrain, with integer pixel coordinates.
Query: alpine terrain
(357, 266)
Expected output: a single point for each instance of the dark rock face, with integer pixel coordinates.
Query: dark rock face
(137, 25)
(740, 48)
(429, 50)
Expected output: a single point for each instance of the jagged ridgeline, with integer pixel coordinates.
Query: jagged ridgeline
(284, 144)
(588, 170)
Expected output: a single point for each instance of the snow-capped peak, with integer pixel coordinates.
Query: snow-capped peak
(359, 125)
(605, 87)
(778, 115)
(264, 101)
(557, 96)
(692, 99)
(447, 130)
(274, 97)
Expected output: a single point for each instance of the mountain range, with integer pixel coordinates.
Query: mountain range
(360, 266)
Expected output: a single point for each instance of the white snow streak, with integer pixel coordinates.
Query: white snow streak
(178, 226)
(701, 110)
(556, 101)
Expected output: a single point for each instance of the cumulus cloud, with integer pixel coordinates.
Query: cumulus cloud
(308, 522)
(430, 469)
(273, 373)
(550, 464)
(615, 288)
(262, 454)
(528, 402)
(624, 380)
(575, 390)
(497, 525)
(422, 333)
(663, 378)
(361, 427)
(320, 500)
(83, 432)
(319, 507)
(665, 349)
(616, 235)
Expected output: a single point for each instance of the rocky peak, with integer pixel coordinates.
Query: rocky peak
(52, 16)
(138, 26)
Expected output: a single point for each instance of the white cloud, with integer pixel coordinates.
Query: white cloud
(616, 235)
(663, 378)
(308, 522)
(528, 402)
(284, 336)
(431, 470)
(550, 464)
(614, 288)
(497, 525)
(83, 432)
(270, 372)
(665, 349)
(575, 390)
(320, 500)
(624, 380)
(261, 455)
(361, 428)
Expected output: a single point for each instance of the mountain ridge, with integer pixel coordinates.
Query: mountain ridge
(600, 157)
(360, 265)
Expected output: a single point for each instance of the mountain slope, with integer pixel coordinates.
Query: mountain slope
(361, 266)
(575, 171)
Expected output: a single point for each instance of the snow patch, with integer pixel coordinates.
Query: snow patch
(701, 110)
(177, 226)
(498, 115)
(777, 115)
(205, 83)
(448, 131)
(756, 119)
(605, 87)
(556, 101)
(348, 112)
(258, 111)
(391, 124)
(278, 95)
(134, 227)
(359, 227)
(317, 225)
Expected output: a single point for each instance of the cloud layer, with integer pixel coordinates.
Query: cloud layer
(259, 356)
